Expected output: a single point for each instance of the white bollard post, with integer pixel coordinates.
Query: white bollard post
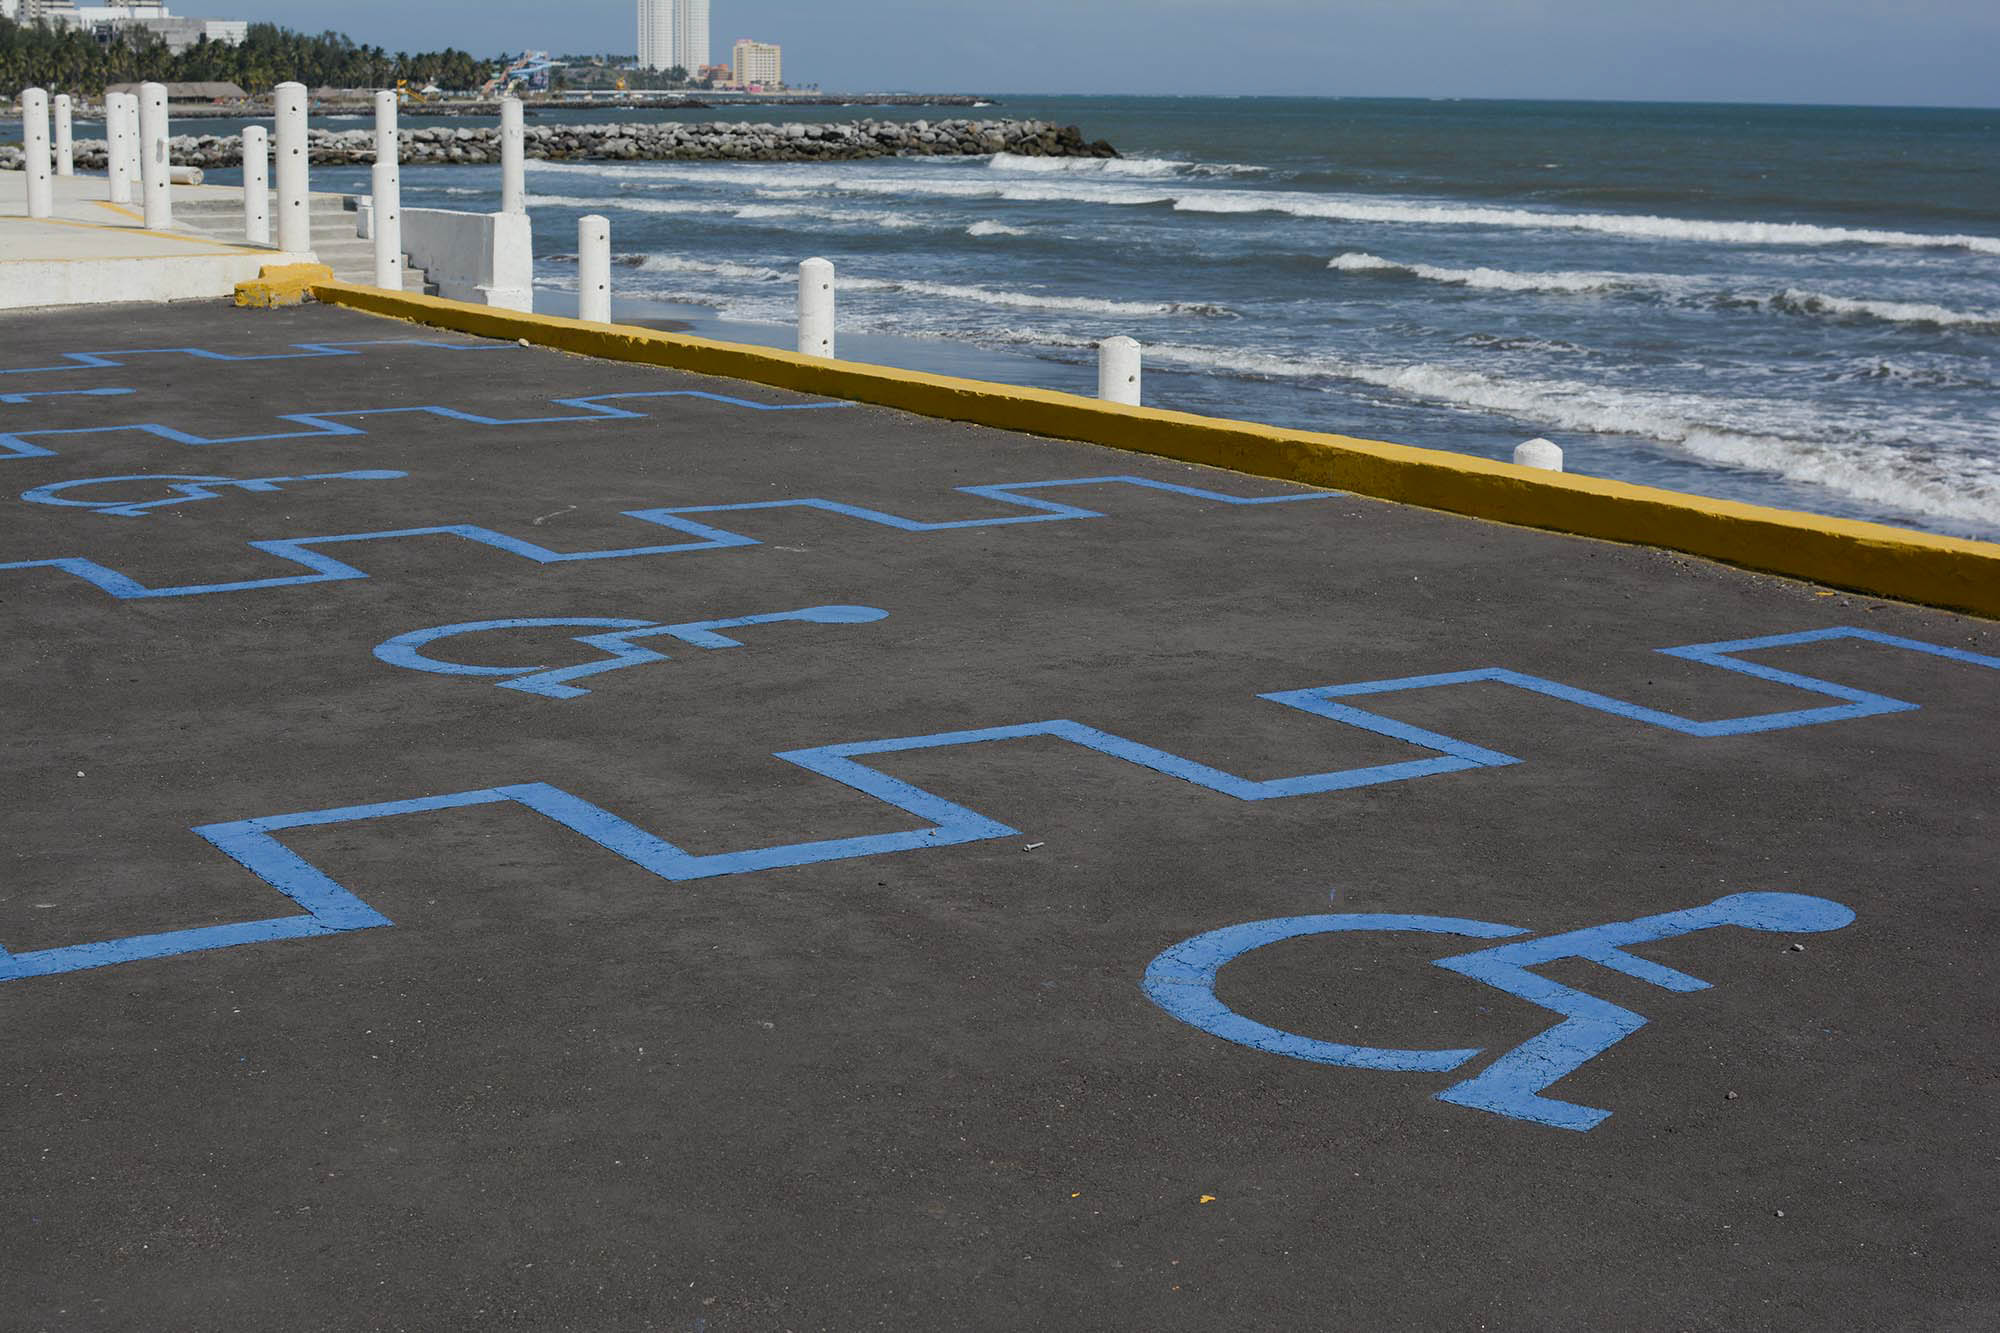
(513, 149)
(294, 203)
(386, 227)
(133, 195)
(256, 185)
(130, 103)
(114, 161)
(65, 144)
(1118, 371)
(156, 185)
(35, 141)
(593, 269)
(388, 146)
(816, 308)
(387, 183)
(1538, 453)
(117, 149)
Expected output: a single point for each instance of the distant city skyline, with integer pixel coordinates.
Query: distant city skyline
(1920, 52)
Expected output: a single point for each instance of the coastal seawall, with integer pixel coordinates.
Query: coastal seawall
(655, 142)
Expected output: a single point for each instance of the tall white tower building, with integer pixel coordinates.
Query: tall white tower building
(657, 48)
(691, 35)
(673, 32)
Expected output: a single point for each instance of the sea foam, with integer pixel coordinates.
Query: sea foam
(755, 212)
(1502, 280)
(714, 268)
(1631, 225)
(1792, 301)
(1078, 185)
(1797, 302)
(1903, 475)
(945, 291)
(1139, 168)
(1081, 305)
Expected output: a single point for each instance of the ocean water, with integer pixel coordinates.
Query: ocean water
(1787, 305)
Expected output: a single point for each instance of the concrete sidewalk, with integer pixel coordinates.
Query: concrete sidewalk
(497, 839)
(92, 252)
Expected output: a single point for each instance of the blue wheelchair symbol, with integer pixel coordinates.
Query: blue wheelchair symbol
(1182, 982)
(405, 650)
(181, 489)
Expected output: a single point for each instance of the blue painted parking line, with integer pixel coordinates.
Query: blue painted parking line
(1182, 981)
(1858, 703)
(64, 393)
(326, 569)
(330, 908)
(330, 425)
(299, 352)
(181, 489)
(617, 639)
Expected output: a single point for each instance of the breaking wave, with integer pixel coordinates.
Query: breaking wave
(755, 212)
(945, 291)
(990, 228)
(1139, 168)
(1077, 183)
(1878, 371)
(1083, 305)
(1791, 301)
(1631, 225)
(1796, 302)
(714, 268)
(1910, 477)
(1501, 280)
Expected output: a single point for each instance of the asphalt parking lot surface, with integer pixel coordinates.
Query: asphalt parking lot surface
(511, 865)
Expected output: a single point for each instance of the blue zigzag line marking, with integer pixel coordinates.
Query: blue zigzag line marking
(302, 352)
(64, 393)
(326, 569)
(324, 425)
(330, 908)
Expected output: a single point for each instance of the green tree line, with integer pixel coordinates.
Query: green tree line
(69, 61)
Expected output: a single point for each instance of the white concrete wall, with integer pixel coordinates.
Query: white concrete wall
(28, 283)
(488, 258)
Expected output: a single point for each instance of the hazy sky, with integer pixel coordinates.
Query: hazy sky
(1860, 51)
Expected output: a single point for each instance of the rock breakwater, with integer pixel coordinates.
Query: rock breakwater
(654, 142)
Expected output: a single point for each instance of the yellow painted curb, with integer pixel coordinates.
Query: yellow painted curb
(1870, 558)
(281, 285)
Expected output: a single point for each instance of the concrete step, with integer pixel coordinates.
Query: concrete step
(333, 218)
(322, 206)
(361, 269)
(226, 221)
(351, 258)
(231, 231)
